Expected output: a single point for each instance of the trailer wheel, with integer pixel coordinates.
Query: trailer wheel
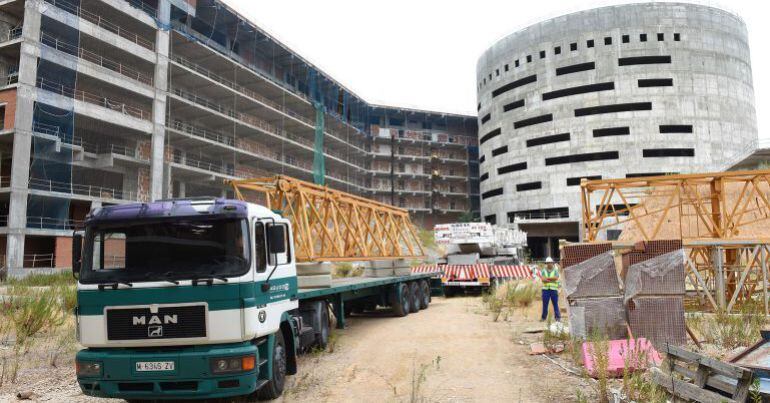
(416, 292)
(274, 387)
(400, 299)
(425, 288)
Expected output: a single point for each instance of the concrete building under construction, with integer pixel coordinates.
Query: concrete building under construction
(111, 101)
(613, 92)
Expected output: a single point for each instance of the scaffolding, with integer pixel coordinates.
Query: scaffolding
(721, 219)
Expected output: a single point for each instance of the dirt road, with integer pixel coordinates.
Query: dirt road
(452, 352)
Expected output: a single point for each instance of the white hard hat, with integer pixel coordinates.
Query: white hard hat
(549, 259)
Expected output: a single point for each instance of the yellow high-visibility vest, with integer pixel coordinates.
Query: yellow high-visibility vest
(550, 285)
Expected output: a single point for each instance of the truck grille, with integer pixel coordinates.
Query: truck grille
(171, 322)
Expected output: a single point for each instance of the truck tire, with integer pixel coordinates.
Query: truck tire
(274, 387)
(400, 299)
(322, 333)
(416, 293)
(425, 300)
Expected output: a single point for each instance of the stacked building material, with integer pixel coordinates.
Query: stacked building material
(578, 253)
(314, 275)
(654, 294)
(646, 250)
(594, 295)
(388, 268)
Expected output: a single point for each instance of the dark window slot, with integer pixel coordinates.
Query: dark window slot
(668, 152)
(513, 105)
(529, 58)
(576, 180)
(631, 61)
(570, 159)
(676, 128)
(573, 46)
(492, 193)
(614, 108)
(608, 40)
(575, 68)
(500, 150)
(555, 212)
(486, 118)
(582, 89)
(542, 54)
(612, 131)
(523, 187)
(484, 177)
(514, 84)
(478, 107)
(554, 138)
(512, 168)
(492, 219)
(656, 82)
(532, 121)
(482, 159)
(490, 135)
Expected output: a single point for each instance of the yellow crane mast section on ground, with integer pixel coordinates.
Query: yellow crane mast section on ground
(723, 205)
(331, 225)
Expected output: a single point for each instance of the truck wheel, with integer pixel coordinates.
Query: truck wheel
(322, 334)
(274, 387)
(416, 292)
(400, 299)
(425, 288)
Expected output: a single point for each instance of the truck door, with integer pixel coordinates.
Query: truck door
(275, 279)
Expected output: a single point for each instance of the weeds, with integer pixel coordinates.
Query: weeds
(508, 296)
(729, 331)
(419, 376)
(599, 350)
(43, 280)
(34, 311)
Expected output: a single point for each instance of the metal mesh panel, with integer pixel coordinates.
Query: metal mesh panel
(603, 316)
(595, 277)
(659, 319)
(661, 275)
(574, 254)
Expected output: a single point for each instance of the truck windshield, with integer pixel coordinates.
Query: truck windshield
(165, 250)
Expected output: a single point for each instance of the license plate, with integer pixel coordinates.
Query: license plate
(143, 366)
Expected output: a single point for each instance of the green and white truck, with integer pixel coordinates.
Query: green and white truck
(198, 298)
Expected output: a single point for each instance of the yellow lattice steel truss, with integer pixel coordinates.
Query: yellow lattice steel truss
(724, 205)
(331, 225)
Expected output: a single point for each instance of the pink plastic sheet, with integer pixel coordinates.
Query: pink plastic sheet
(633, 354)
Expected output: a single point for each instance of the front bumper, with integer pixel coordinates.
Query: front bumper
(190, 379)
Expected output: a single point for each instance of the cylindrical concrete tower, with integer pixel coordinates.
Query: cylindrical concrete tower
(611, 92)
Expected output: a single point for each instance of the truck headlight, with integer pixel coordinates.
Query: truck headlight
(88, 368)
(224, 365)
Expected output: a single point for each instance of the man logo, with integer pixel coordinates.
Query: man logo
(262, 316)
(155, 331)
(155, 320)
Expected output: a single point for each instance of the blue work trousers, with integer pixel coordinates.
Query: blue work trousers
(553, 296)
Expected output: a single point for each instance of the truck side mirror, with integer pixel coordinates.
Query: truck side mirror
(77, 256)
(276, 239)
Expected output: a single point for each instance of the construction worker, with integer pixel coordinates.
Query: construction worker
(550, 277)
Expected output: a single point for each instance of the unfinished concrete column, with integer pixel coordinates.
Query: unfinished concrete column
(162, 45)
(22, 137)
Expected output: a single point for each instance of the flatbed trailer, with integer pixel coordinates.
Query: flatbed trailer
(350, 293)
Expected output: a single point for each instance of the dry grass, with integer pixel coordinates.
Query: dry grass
(503, 299)
(343, 270)
(36, 328)
(727, 332)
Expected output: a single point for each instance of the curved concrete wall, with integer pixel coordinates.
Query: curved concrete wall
(610, 92)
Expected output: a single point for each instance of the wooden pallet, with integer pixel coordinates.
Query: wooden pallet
(699, 373)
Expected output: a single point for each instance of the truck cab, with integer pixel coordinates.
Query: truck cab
(185, 299)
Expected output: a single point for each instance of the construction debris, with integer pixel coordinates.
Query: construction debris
(697, 377)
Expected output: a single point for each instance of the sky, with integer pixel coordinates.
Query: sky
(422, 53)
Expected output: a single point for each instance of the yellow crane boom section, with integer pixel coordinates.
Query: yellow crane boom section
(331, 225)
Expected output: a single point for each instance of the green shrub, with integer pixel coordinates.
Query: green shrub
(42, 280)
(33, 311)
